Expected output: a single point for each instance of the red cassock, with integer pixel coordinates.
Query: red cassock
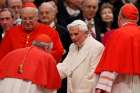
(31, 63)
(17, 37)
(122, 53)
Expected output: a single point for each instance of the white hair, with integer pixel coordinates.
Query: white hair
(13, 1)
(42, 44)
(81, 24)
(49, 4)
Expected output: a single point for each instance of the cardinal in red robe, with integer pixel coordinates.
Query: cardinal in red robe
(31, 64)
(22, 35)
(119, 67)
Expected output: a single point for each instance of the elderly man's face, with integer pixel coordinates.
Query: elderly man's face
(29, 19)
(89, 8)
(46, 14)
(15, 6)
(6, 20)
(77, 36)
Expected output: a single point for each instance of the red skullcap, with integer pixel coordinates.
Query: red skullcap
(29, 5)
(129, 11)
(43, 38)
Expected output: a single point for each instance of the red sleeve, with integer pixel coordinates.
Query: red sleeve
(58, 49)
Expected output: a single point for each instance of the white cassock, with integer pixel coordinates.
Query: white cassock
(13, 85)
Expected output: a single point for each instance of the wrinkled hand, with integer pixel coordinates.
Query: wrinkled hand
(100, 91)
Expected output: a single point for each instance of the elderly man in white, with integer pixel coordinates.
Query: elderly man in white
(80, 63)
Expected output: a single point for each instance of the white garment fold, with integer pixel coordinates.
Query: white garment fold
(13, 85)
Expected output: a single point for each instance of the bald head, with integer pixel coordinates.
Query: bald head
(89, 8)
(14, 2)
(85, 2)
(29, 17)
(15, 6)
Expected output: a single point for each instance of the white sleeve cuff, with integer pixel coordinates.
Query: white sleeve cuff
(106, 80)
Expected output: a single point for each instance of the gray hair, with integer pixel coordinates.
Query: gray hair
(9, 2)
(50, 4)
(85, 1)
(81, 24)
(42, 45)
(7, 9)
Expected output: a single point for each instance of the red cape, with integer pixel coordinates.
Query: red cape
(21, 39)
(122, 53)
(106, 37)
(38, 66)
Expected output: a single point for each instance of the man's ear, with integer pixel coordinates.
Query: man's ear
(37, 18)
(137, 19)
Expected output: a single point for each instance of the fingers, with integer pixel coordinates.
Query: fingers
(98, 91)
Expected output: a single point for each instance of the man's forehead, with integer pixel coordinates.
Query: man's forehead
(45, 8)
(28, 10)
(15, 2)
(11, 1)
(5, 16)
(74, 29)
(90, 2)
(5, 13)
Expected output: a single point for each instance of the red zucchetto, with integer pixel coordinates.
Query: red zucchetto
(129, 11)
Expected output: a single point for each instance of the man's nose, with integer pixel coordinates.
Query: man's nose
(27, 21)
(5, 21)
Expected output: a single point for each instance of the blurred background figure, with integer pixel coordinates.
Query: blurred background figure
(47, 15)
(31, 69)
(123, 49)
(16, 6)
(6, 20)
(107, 21)
(107, 16)
(38, 2)
(22, 35)
(68, 11)
(2, 3)
(89, 10)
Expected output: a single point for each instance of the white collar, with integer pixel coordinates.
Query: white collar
(52, 24)
(72, 12)
(91, 21)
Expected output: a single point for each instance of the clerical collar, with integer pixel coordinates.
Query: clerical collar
(18, 21)
(128, 23)
(52, 24)
(3, 34)
(72, 12)
(91, 21)
(83, 43)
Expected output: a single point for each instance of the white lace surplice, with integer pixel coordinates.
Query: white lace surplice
(12, 85)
